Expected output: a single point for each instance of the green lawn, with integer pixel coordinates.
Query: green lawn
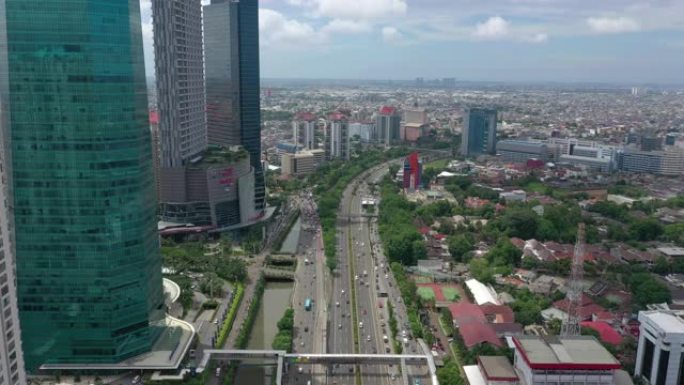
(426, 293)
(451, 294)
(439, 164)
(537, 187)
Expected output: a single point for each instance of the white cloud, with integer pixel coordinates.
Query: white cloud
(276, 29)
(494, 28)
(612, 25)
(354, 9)
(391, 34)
(346, 27)
(536, 38)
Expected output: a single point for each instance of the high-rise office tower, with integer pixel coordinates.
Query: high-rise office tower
(479, 132)
(304, 130)
(388, 125)
(231, 52)
(337, 141)
(11, 357)
(74, 104)
(179, 64)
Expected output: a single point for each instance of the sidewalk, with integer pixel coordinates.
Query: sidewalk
(253, 271)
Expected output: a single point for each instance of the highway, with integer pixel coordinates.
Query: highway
(332, 318)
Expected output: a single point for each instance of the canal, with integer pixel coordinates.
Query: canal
(290, 243)
(277, 298)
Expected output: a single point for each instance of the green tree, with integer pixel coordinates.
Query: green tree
(449, 374)
(459, 245)
(646, 230)
(504, 253)
(480, 270)
(521, 222)
(661, 266)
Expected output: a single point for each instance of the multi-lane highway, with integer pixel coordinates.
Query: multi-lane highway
(357, 295)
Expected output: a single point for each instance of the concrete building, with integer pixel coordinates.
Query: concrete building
(298, 164)
(514, 196)
(491, 370)
(365, 130)
(179, 65)
(415, 124)
(319, 156)
(651, 143)
(337, 140)
(659, 353)
(520, 151)
(590, 154)
(388, 125)
(668, 162)
(304, 130)
(12, 370)
(553, 360)
(479, 132)
(218, 190)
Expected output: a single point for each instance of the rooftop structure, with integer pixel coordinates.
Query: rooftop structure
(577, 353)
(482, 294)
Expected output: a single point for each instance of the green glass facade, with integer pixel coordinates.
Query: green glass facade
(88, 266)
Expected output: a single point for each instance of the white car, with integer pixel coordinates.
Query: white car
(361, 325)
(342, 292)
(337, 304)
(339, 326)
(368, 338)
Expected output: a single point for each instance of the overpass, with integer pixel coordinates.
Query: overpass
(281, 357)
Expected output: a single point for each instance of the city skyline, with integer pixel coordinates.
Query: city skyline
(506, 40)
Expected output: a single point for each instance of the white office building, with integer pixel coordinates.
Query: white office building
(659, 353)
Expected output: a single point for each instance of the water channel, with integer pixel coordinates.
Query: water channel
(290, 243)
(277, 298)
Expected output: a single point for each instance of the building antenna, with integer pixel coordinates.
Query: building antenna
(571, 326)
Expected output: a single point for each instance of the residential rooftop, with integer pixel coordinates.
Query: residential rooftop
(559, 353)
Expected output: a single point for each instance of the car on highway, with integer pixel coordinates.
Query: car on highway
(339, 326)
(361, 325)
(368, 338)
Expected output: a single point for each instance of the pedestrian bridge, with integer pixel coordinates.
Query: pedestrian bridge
(281, 357)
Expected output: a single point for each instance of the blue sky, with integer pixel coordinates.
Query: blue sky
(625, 41)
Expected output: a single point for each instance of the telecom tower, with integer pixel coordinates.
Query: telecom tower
(571, 326)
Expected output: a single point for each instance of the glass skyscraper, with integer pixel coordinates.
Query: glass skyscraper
(72, 84)
(479, 132)
(231, 34)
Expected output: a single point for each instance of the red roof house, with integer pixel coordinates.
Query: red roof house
(606, 332)
(478, 333)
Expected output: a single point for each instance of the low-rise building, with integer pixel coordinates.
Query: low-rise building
(298, 164)
(491, 370)
(554, 360)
